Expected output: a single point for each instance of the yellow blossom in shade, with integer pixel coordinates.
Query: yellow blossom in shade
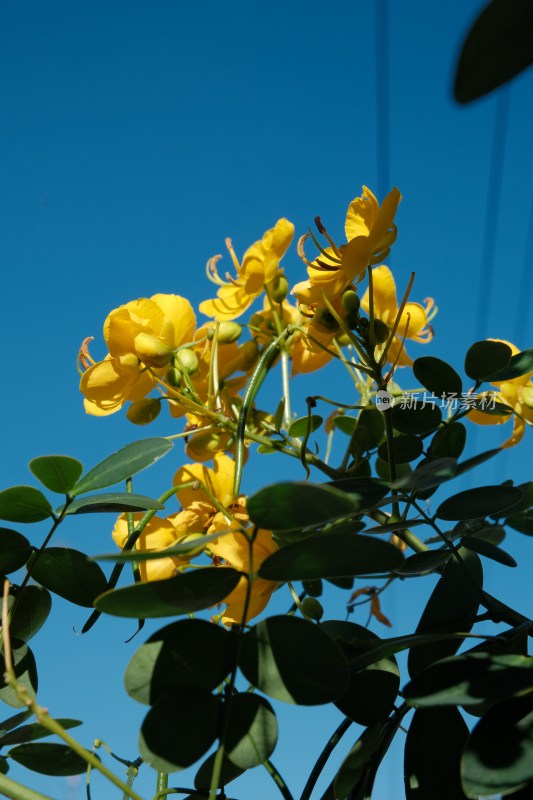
(414, 322)
(218, 482)
(370, 231)
(517, 394)
(259, 266)
(158, 534)
(140, 337)
(234, 549)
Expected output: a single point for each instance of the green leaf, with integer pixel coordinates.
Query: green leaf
(438, 377)
(421, 563)
(33, 607)
(471, 678)
(354, 768)
(190, 652)
(497, 48)
(304, 425)
(29, 733)
(404, 449)
(15, 550)
(70, 574)
(485, 358)
(14, 721)
(24, 504)
(183, 594)
(252, 731)
(115, 502)
(369, 490)
(331, 555)
(372, 691)
(168, 741)
(291, 659)
(428, 474)
(523, 523)
(499, 754)
(484, 501)
(519, 365)
(202, 779)
(57, 473)
(371, 425)
(433, 771)
(123, 464)
(448, 441)
(452, 608)
(48, 759)
(345, 423)
(417, 417)
(470, 463)
(484, 548)
(25, 672)
(289, 506)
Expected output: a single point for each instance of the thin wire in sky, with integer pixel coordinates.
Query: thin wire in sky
(521, 334)
(382, 46)
(492, 214)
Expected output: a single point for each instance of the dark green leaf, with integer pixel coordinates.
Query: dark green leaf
(484, 548)
(357, 763)
(451, 608)
(331, 555)
(470, 463)
(291, 659)
(33, 607)
(29, 733)
(115, 502)
(25, 672)
(485, 358)
(417, 417)
(384, 471)
(449, 440)
(24, 504)
(470, 679)
(519, 365)
(345, 423)
(484, 501)
(4, 769)
(289, 506)
(404, 449)
(369, 490)
(15, 550)
(499, 753)
(304, 425)
(179, 729)
(252, 730)
(438, 377)
(190, 652)
(183, 594)
(57, 473)
(399, 525)
(429, 473)
(494, 534)
(70, 574)
(523, 523)
(123, 464)
(202, 780)
(48, 759)
(497, 48)
(14, 721)
(430, 771)
(372, 425)
(421, 563)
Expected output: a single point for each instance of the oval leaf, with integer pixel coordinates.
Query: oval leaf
(353, 772)
(438, 377)
(57, 473)
(32, 609)
(15, 550)
(70, 574)
(190, 652)
(111, 502)
(184, 594)
(519, 365)
(485, 358)
(288, 506)
(484, 501)
(29, 733)
(417, 417)
(484, 548)
(252, 731)
(48, 759)
(123, 464)
(305, 425)
(24, 504)
(448, 441)
(168, 741)
(404, 449)
(25, 671)
(291, 659)
(434, 771)
(331, 555)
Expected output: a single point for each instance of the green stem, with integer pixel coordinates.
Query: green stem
(324, 756)
(16, 791)
(278, 780)
(162, 782)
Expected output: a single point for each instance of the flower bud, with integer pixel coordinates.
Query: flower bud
(527, 396)
(248, 352)
(312, 608)
(351, 302)
(278, 288)
(141, 412)
(228, 332)
(153, 351)
(351, 320)
(186, 361)
(326, 320)
(174, 377)
(194, 551)
(381, 332)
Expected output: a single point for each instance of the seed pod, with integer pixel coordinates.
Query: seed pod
(312, 608)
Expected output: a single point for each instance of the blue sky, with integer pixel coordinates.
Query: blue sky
(135, 137)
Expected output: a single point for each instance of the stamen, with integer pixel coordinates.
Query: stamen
(84, 356)
(327, 255)
(212, 272)
(323, 231)
(231, 251)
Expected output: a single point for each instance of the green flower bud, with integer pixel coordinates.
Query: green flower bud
(228, 332)
(351, 302)
(153, 351)
(278, 288)
(186, 360)
(312, 608)
(144, 411)
(188, 539)
(527, 396)
(381, 332)
(351, 320)
(174, 377)
(326, 320)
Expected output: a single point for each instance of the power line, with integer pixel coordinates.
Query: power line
(382, 47)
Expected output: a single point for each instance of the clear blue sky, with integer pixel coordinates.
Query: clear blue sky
(135, 137)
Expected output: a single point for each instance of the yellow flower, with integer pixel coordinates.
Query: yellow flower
(517, 394)
(414, 322)
(158, 534)
(260, 265)
(219, 485)
(140, 337)
(370, 231)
